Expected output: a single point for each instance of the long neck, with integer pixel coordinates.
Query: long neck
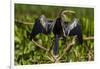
(57, 27)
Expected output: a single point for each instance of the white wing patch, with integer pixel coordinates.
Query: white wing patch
(43, 20)
(73, 24)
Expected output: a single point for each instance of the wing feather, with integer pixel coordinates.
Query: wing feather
(42, 25)
(74, 29)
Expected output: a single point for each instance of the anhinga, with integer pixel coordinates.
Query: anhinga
(64, 28)
(60, 28)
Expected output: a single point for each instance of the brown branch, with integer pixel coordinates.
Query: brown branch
(50, 58)
(47, 50)
(22, 22)
(68, 47)
(88, 38)
(54, 58)
(40, 46)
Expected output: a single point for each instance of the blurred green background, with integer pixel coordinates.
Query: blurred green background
(27, 53)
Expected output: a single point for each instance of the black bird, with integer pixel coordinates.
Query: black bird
(60, 28)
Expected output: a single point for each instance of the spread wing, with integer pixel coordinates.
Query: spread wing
(42, 25)
(74, 29)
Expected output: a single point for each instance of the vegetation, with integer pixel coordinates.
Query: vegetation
(27, 52)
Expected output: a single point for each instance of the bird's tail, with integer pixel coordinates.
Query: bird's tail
(56, 46)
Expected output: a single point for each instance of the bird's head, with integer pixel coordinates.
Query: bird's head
(67, 15)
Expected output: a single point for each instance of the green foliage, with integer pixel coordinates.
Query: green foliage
(26, 52)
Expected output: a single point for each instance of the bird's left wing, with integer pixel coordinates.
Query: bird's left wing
(74, 29)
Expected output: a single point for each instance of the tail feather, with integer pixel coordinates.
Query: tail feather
(56, 45)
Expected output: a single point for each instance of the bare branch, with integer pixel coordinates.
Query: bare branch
(68, 47)
(47, 50)
(40, 46)
(88, 38)
(50, 58)
(22, 22)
